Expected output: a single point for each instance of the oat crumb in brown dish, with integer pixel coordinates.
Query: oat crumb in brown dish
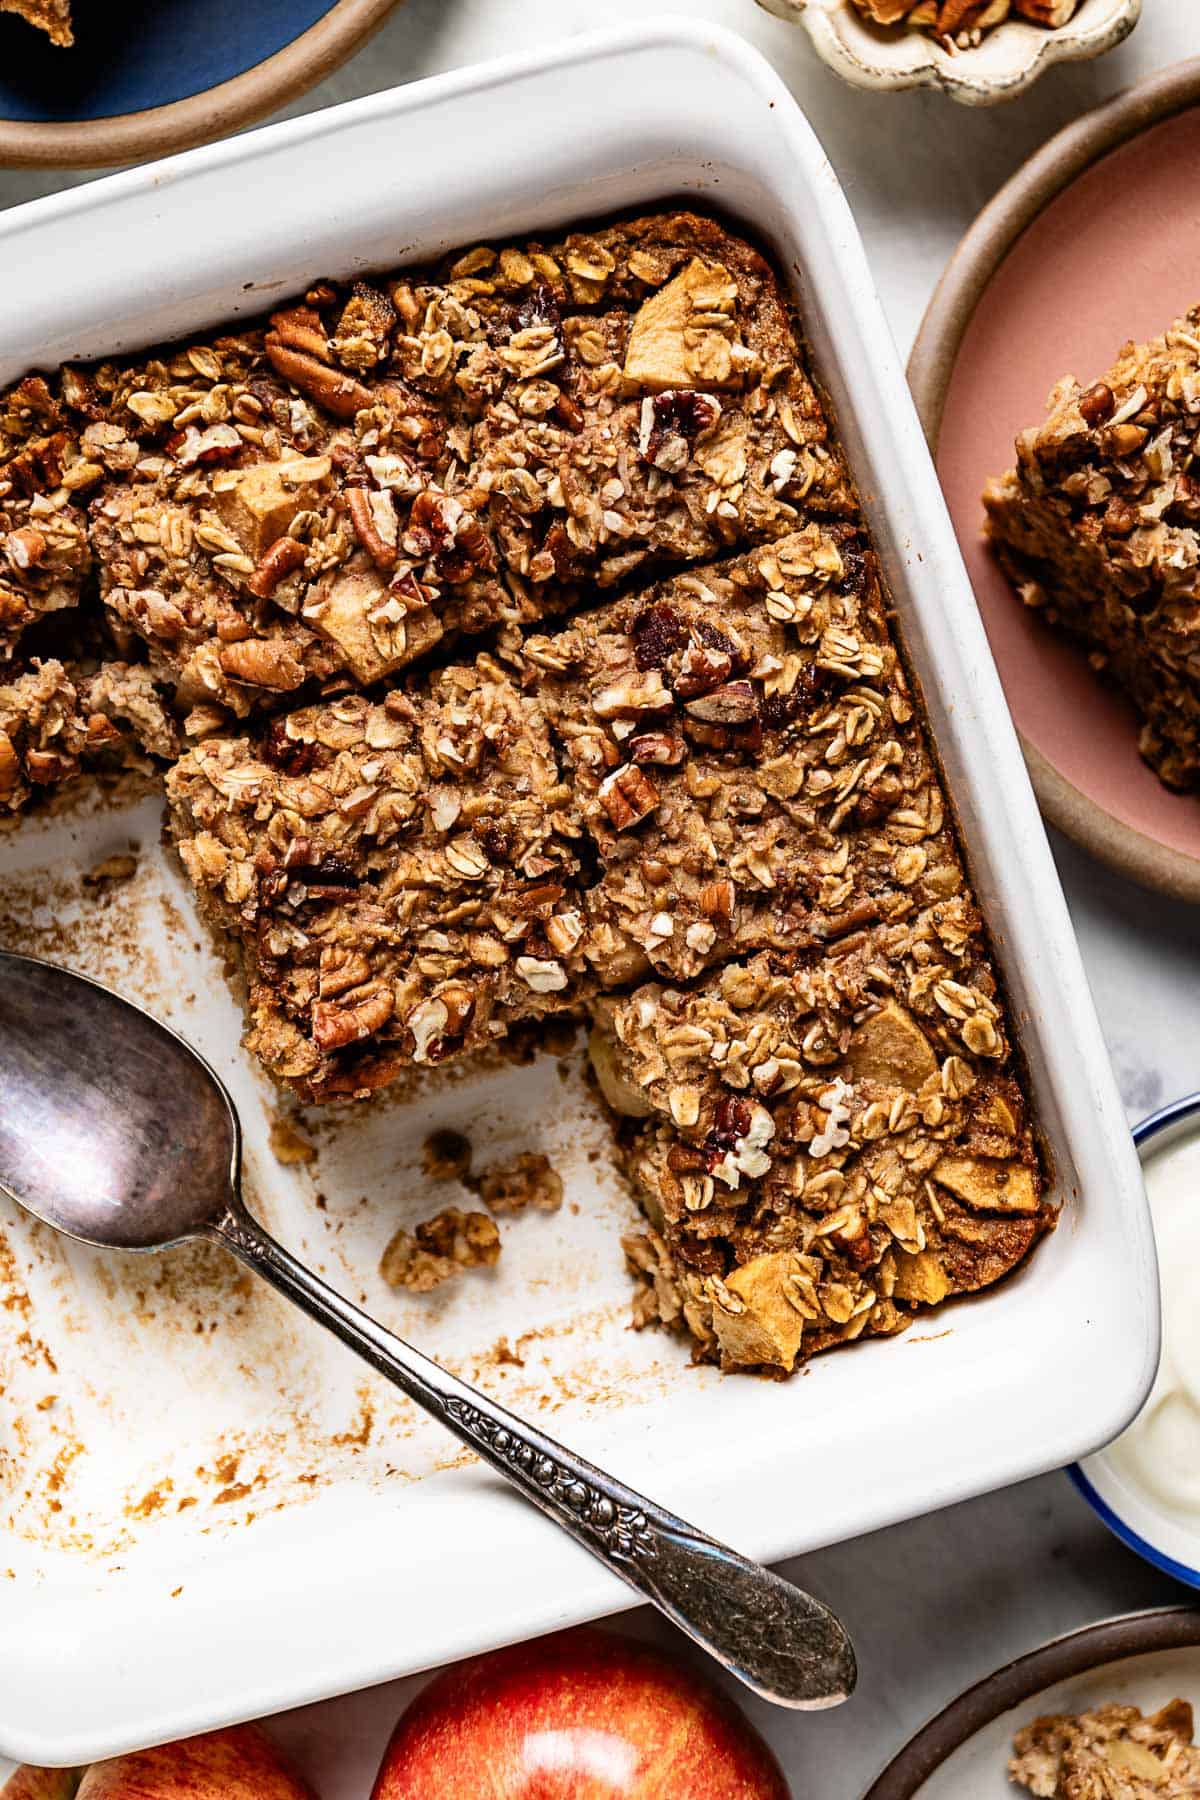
(51, 16)
(534, 662)
(1096, 525)
(439, 1249)
(963, 24)
(1113, 1753)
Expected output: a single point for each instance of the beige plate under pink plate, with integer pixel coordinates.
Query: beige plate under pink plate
(1095, 241)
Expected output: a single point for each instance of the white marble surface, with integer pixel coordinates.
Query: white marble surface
(936, 1603)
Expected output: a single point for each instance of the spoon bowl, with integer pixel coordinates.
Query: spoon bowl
(114, 1131)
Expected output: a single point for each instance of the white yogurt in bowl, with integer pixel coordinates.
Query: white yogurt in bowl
(1146, 1484)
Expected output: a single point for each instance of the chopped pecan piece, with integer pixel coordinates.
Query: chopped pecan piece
(339, 394)
(661, 747)
(284, 557)
(628, 797)
(735, 704)
(702, 667)
(263, 663)
(1098, 405)
(335, 1026)
(373, 515)
(300, 328)
(633, 695)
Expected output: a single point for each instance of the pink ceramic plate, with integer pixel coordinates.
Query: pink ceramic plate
(1095, 241)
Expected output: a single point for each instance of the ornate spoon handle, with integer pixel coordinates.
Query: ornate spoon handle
(772, 1636)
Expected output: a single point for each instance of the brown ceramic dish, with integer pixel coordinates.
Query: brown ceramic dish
(1117, 1655)
(1093, 242)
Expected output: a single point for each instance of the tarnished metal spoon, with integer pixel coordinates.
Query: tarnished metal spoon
(113, 1130)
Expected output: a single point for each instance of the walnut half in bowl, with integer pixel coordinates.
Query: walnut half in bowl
(977, 51)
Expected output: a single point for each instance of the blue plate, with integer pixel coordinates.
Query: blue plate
(130, 55)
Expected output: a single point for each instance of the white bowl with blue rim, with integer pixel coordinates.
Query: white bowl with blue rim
(1137, 1512)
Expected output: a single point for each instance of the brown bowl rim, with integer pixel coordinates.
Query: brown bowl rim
(1076, 1653)
(980, 253)
(198, 118)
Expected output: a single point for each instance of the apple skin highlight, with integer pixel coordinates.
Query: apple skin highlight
(582, 1715)
(239, 1764)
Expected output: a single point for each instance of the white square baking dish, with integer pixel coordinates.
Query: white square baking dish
(206, 1513)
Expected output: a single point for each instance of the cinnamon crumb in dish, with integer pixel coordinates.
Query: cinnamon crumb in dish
(111, 870)
(289, 1144)
(1112, 1753)
(446, 1156)
(524, 1180)
(440, 1249)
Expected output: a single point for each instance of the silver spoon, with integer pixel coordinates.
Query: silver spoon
(114, 1131)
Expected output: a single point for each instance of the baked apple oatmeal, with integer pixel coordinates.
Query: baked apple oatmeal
(528, 656)
(1114, 1752)
(1096, 527)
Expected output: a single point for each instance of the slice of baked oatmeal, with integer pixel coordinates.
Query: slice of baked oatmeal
(393, 464)
(643, 398)
(822, 1145)
(746, 757)
(251, 538)
(1098, 526)
(402, 876)
(1114, 1753)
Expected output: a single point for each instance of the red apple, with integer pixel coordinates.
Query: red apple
(583, 1715)
(239, 1764)
(29, 1783)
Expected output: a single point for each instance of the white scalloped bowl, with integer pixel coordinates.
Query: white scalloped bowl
(1010, 58)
